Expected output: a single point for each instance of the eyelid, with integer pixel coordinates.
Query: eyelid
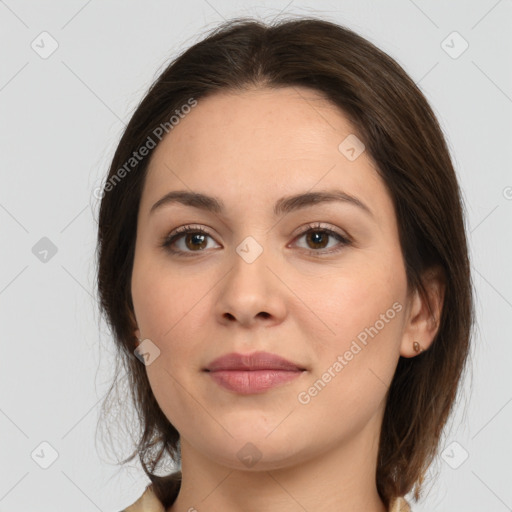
(332, 231)
(175, 234)
(343, 238)
(322, 226)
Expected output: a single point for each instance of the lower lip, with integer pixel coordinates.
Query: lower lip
(254, 381)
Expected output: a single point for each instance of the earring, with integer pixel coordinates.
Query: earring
(417, 347)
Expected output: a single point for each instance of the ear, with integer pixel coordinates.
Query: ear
(424, 313)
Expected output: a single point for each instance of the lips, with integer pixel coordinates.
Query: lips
(252, 373)
(251, 362)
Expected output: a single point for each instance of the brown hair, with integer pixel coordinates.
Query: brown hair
(401, 134)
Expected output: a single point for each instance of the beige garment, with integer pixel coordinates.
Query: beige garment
(399, 505)
(148, 502)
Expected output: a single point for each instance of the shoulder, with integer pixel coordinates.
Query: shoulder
(399, 505)
(148, 502)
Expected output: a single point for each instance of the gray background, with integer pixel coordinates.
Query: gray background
(60, 119)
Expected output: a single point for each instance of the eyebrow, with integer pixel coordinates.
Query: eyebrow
(282, 206)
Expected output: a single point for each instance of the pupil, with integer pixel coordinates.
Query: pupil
(195, 237)
(317, 237)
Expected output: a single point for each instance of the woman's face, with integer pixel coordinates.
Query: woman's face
(267, 276)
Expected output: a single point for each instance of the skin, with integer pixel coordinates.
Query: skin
(249, 149)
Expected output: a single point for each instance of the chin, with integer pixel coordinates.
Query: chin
(252, 451)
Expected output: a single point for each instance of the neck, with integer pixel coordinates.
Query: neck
(342, 479)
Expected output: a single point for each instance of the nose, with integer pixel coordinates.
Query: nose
(251, 294)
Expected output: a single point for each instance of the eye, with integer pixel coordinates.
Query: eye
(317, 237)
(194, 238)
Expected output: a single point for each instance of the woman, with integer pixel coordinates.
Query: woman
(283, 262)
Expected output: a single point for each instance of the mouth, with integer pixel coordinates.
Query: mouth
(252, 373)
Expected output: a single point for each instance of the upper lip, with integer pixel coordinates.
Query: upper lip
(254, 361)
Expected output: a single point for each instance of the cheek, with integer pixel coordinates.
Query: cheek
(171, 314)
(343, 303)
(171, 308)
(162, 299)
(359, 314)
(356, 364)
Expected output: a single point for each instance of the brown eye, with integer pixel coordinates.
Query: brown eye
(194, 239)
(317, 239)
(187, 240)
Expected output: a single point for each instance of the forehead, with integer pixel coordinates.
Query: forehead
(257, 144)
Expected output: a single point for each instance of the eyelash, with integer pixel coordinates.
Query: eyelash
(169, 240)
